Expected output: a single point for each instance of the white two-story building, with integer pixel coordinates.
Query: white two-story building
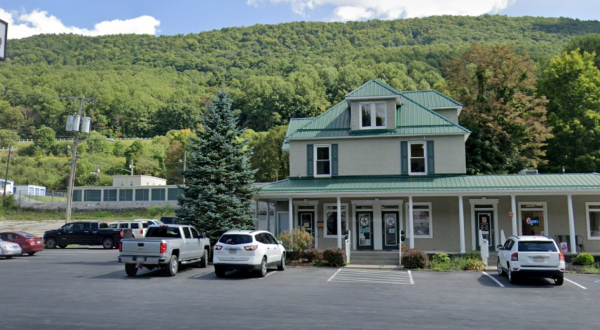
(382, 161)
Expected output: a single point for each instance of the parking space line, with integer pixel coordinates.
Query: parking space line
(579, 285)
(199, 275)
(268, 274)
(332, 276)
(495, 280)
(410, 277)
(371, 276)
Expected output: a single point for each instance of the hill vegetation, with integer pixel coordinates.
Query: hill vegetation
(146, 86)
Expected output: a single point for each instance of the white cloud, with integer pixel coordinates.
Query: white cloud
(348, 10)
(23, 25)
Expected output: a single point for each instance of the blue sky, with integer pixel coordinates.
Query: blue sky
(95, 17)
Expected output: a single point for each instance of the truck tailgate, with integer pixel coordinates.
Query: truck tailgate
(141, 247)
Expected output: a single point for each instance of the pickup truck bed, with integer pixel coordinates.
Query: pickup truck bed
(165, 246)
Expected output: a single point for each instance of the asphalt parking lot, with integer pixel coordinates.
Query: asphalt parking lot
(86, 288)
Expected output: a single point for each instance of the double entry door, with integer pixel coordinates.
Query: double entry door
(366, 234)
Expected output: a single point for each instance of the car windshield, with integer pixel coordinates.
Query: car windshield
(546, 246)
(166, 232)
(235, 239)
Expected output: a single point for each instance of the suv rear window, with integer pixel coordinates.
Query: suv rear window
(546, 246)
(166, 232)
(235, 239)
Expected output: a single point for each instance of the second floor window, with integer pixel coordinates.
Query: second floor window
(417, 158)
(323, 160)
(372, 115)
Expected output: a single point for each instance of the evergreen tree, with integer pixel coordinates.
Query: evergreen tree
(218, 193)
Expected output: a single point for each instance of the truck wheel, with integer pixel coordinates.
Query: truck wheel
(203, 260)
(107, 243)
(131, 269)
(50, 243)
(220, 272)
(173, 266)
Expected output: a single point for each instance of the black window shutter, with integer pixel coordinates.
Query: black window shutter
(403, 157)
(334, 159)
(309, 160)
(430, 158)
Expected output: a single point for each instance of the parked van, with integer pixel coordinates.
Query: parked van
(138, 228)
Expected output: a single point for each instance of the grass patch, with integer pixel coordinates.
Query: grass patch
(591, 269)
(19, 214)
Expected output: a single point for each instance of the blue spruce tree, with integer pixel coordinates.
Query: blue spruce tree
(218, 189)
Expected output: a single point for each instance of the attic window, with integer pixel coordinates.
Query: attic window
(372, 115)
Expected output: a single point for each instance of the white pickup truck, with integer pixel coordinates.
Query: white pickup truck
(165, 246)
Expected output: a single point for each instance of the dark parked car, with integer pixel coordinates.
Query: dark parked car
(170, 220)
(85, 233)
(29, 243)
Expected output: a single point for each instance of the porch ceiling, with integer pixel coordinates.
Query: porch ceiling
(436, 185)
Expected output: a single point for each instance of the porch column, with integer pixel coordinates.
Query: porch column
(513, 209)
(461, 224)
(339, 222)
(268, 215)
(572, 238)
(291, 215)
(411, 240)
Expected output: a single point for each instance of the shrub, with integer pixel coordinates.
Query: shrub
(584, 259)
(301, 239)
(591, 269)
(440, 262)
(9, 202)
(415, 258)
(441, 258)
(314, 255)
(335, 257)
(474, 264)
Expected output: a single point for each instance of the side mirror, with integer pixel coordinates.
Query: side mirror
(279, 242)
(500, 247)
(402, 236)
(203, 235)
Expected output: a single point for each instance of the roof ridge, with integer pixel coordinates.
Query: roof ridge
(437, 114)
(377, 81)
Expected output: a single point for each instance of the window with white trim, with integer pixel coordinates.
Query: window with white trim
(372, 115)
(593, 220)
(322, 160)
(417, 158)
(422, 220)
(330, 216)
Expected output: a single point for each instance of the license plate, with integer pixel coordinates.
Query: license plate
(538, 259)
(232, 251)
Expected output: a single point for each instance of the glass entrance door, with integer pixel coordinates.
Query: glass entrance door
(365, 230)
(391, 230)
(306, 221)
(485, 223)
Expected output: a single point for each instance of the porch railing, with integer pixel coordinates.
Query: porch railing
(484, 248)
(347, 246)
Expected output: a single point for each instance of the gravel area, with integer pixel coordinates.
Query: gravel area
(33, 227)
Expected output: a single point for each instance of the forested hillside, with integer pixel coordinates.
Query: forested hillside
(145, 86)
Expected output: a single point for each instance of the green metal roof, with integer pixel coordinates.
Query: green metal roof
(431, 99)
(441, 183)
(373, 88)
(293, 126)
(335, 117)
(413, 117)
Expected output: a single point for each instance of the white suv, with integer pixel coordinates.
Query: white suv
(531, 256)
(251, 250)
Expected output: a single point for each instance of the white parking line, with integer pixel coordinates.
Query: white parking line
(579, 285)
(268, 274)
(372, 276)
(199, 275)
(410, 276)
(332, 276)
(495, 280)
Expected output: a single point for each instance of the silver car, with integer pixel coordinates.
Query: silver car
(9, 249)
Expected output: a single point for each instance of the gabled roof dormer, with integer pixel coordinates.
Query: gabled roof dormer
(373, 106)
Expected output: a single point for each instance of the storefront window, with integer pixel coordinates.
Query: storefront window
(593, 220)
(533, 219)
(422, 220)
(331, 229)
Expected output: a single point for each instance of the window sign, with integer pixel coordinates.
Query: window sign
(532, 219)
(422, 220)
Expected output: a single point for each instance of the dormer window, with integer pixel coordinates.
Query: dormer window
(372, 115)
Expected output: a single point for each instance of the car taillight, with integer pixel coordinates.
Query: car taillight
(514, 257)
(120, 247)
(30, 240)
(163, 247)
(141, 232)
(121, 234)
(251, 247)
(561, 257)
(218, 247)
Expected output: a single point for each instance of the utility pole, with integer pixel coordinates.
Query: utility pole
(6, 177)
(131, 166)
(74, 127)
(184, 165)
